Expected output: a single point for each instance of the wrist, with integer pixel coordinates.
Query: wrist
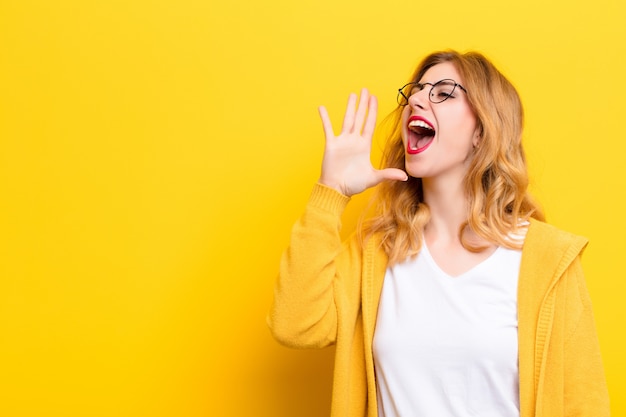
(335, 185)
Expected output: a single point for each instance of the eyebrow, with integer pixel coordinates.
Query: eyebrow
(442, 81)
(447, 81)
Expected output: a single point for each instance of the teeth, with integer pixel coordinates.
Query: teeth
(419, 123)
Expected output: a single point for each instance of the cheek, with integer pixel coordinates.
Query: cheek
(470, 119)
(406, 112)
(465, 126)
(403, 121)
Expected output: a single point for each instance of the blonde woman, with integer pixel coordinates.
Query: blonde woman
(454, 299)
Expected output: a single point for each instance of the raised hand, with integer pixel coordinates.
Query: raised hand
(347, 166)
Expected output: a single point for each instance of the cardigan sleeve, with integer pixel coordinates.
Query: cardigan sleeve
(304, 312)
(585, 389)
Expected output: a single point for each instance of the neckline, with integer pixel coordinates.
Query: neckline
(429, 258)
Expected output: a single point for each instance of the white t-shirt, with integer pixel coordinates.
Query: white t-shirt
(447, 346)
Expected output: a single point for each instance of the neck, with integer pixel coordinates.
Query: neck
(448, 207)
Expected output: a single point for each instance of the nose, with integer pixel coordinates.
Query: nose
(420, 99)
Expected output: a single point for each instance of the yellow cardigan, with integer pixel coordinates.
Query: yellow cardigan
(328, 292)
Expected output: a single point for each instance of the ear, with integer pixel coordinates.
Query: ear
(478, 135)
(477, 138)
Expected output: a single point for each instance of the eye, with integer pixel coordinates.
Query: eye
(443, 90)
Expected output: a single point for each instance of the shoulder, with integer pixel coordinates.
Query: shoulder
(542, 236)
(549, 251)
(547, 256)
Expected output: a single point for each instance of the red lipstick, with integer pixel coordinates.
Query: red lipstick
(420, 134)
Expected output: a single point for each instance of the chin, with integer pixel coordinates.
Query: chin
(414, 172)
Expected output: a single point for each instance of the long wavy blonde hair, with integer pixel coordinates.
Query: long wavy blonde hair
(497, 179)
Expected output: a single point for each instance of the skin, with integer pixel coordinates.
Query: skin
(443, 167)
(448, 156)
(346, 166)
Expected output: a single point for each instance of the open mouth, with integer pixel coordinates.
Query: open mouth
(420, 135)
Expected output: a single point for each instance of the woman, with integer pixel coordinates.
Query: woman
(454, 299)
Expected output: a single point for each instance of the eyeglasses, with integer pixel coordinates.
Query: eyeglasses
(439, 91)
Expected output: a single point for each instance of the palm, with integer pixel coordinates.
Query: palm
(346, 165)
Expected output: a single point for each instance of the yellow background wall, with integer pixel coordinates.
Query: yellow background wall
(154, 154)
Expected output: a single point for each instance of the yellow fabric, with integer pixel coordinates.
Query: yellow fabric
(328, 292)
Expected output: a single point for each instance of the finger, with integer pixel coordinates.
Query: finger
(370, 122)
(388, 174)
(326, 123)
(361, 111)
(393, 174)
(348, 118)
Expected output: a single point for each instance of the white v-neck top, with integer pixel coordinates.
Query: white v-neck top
(447, 346)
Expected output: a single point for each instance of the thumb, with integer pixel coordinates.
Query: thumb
(393, 174)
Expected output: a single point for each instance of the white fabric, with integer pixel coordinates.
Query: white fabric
(447, 346)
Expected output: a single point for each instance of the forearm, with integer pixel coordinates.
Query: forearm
(304, 311)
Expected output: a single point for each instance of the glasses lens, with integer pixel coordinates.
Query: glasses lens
(442, 90)
(405, 92)
(402, 96)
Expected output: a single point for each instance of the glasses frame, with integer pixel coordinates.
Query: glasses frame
(403, 100)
